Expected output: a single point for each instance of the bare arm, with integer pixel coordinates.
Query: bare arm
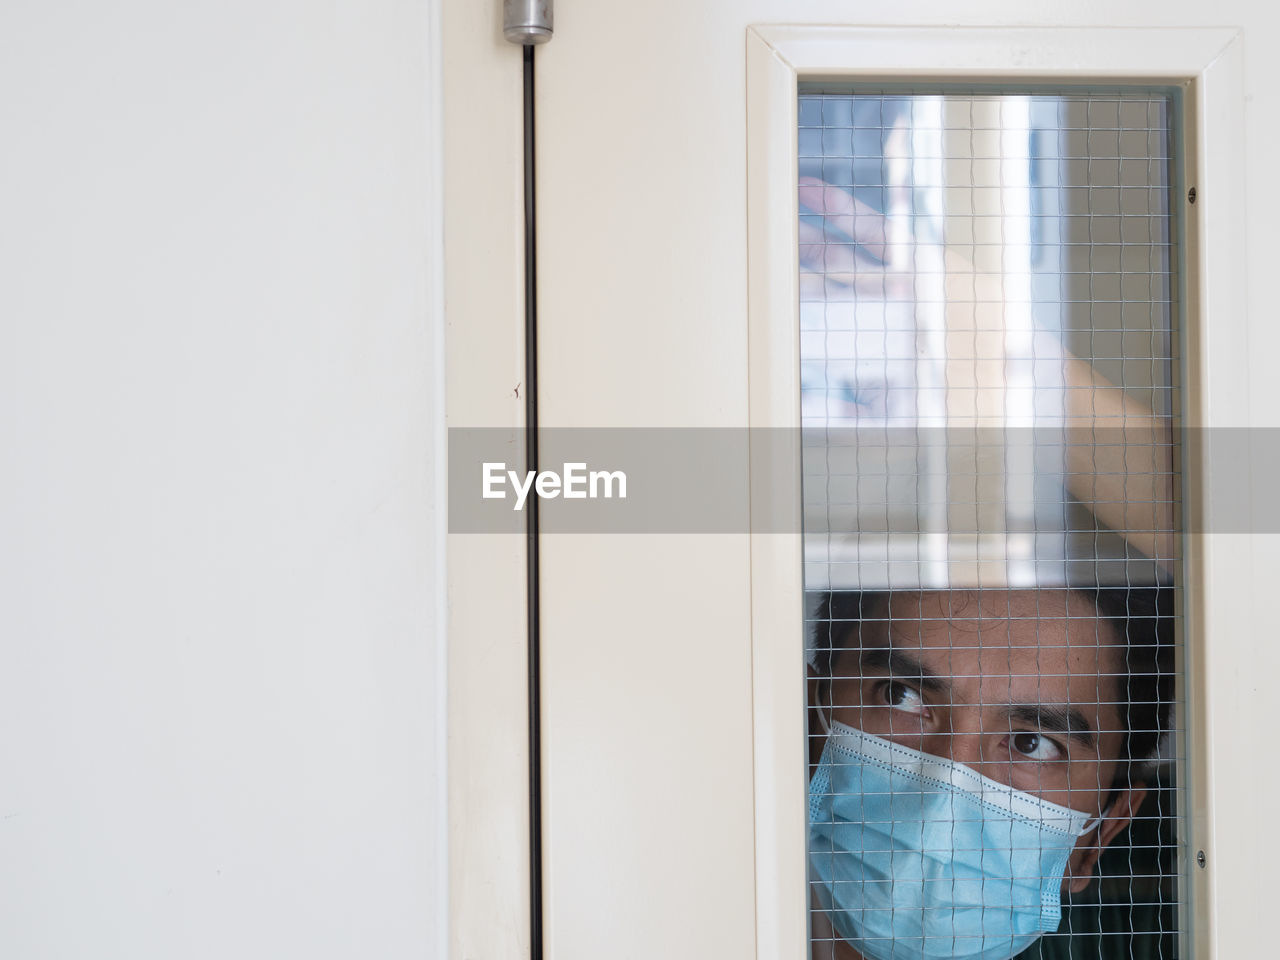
(1120, 460)
(1119, 453)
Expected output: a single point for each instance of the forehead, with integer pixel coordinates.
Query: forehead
(1012, 633)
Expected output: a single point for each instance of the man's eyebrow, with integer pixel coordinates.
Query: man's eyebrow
(1056, 718)
(901, 664)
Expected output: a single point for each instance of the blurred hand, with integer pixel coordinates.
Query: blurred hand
(852, 236)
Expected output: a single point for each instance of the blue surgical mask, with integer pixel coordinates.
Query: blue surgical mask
(915, 856)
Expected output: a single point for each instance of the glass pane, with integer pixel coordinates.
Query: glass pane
(989, 386)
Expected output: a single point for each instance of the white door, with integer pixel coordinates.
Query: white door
(673, 784)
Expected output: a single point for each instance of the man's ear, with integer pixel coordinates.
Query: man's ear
(1089, 847)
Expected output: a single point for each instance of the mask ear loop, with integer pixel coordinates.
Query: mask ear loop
(823, 708)
(1091, 825)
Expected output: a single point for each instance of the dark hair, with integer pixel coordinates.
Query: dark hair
(1142, 618)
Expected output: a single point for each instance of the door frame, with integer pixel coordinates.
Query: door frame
(1208, 65)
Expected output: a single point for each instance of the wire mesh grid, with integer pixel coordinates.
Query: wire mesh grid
(989, 387)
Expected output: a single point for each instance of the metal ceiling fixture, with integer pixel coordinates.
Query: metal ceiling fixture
(528, 21)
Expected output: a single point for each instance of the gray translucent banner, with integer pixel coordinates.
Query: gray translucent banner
(1076, 483)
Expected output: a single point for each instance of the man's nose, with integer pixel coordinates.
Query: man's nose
(959, 742)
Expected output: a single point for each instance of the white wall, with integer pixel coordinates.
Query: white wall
(221, 678)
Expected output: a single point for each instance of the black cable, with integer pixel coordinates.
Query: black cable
(531, 541)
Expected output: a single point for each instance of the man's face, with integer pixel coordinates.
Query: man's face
(1023, 686)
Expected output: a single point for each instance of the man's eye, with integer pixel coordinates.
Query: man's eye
(1035, 746)
(902, 697)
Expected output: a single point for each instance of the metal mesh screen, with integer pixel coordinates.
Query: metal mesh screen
(989, 398)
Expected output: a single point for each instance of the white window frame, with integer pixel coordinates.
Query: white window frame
(1207, 63)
